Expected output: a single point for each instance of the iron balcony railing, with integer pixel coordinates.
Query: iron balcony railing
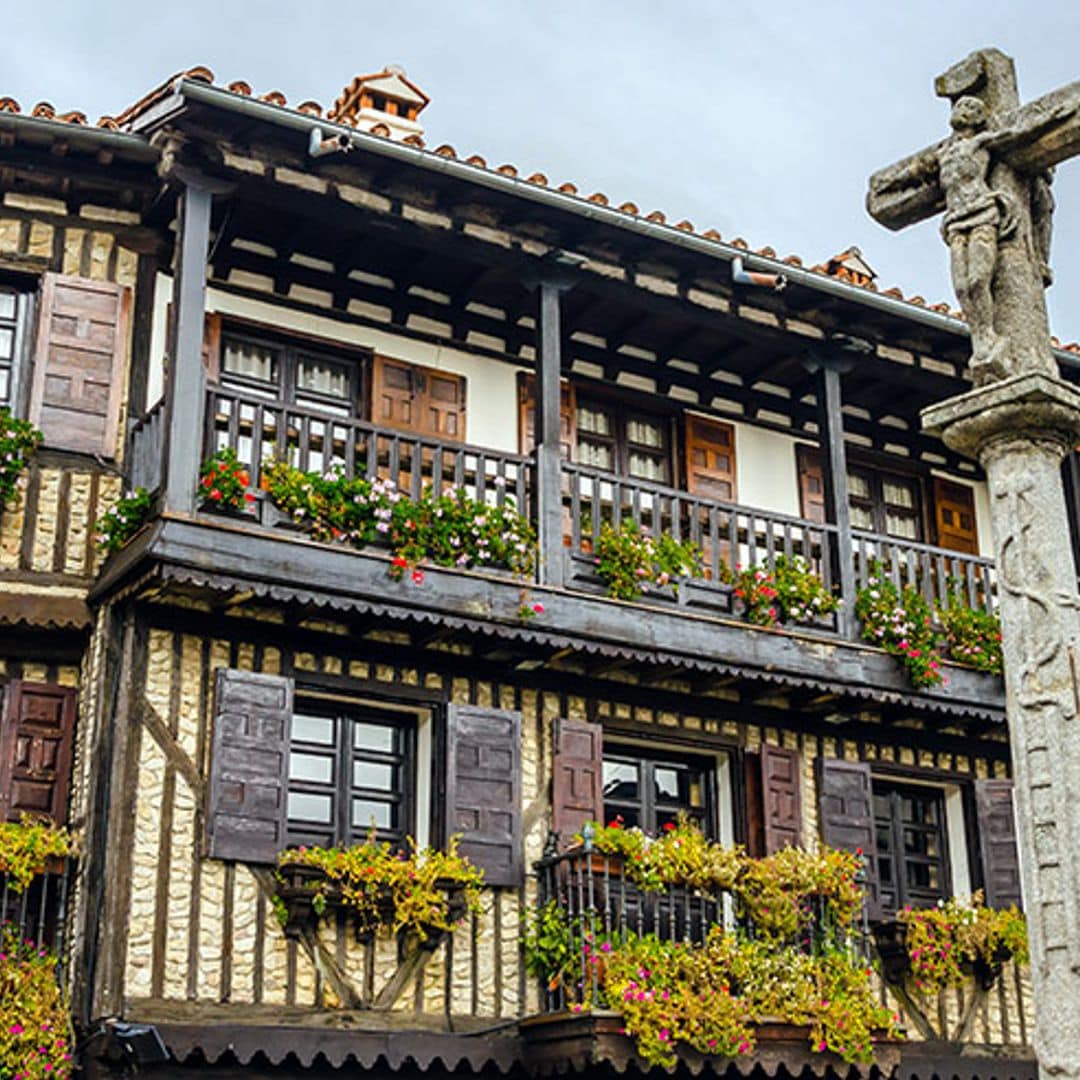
(38, 913)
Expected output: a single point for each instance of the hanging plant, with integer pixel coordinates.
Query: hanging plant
(123, 520)
(632, 561)
(790, 593)
(972, 636)
(19, 440)
(224, 483)
(26, 846)
(35, 1030)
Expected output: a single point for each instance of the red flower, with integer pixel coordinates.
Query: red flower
(417, 576)
(669, 826)
(208, 481)
(398, 561)
(249, 497)
(538, 609)
(215, 495)
(243, 478)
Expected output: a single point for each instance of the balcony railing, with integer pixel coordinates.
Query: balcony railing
(38, 913)
(315, 441)
(146, 446)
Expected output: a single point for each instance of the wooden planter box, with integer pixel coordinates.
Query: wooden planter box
(300, 884)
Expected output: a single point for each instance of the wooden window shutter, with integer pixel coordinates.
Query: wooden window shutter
(710, 458)
(997, 842)
(846, 810)
(954, 513)
(781, 798)
(417, 399)
(79, 363)
(249, 771)
(527, 415)
(483, 789)
(577, 786)
(36, 734)
(211, 348)
(811, 484)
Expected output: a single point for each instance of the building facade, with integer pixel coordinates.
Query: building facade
(213, 271)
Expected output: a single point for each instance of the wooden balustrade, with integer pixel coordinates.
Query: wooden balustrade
(144, 467)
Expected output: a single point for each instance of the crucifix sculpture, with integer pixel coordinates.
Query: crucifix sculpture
(992, 178)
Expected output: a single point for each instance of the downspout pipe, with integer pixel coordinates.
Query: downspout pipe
(202, 93)
(741, 276)
(320, 144)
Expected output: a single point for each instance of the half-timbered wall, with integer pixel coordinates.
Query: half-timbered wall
(201, 933)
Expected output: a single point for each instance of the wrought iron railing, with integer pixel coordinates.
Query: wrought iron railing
(38, 913)
(316, 441)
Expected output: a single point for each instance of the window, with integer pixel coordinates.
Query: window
(423, 400)
(884, 502)
(650, 791)
(623, 441)
(350, 770)
(293, 373)
(912, 844)
(14, 319)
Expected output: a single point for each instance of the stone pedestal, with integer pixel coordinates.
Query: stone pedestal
(1020, 429)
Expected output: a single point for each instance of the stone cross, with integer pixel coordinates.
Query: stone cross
(991, 178)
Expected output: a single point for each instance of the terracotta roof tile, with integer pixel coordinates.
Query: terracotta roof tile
(46, 111)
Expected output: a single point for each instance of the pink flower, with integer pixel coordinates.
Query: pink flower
(663, 1035)
(538, 609)
(16, 1029)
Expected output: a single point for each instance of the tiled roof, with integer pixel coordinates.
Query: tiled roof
(832, 268)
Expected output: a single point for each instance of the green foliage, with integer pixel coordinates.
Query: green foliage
(123, 520)
(632, 561)
(393, 890)
(973, 637)
(26, 847)
(35, 1032)
(901, 622)
(448, 529)
(791, 592)
(942, 941)
(548, 941)
(225, 483)
(19, 439)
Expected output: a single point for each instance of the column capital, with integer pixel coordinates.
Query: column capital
(1032, 407)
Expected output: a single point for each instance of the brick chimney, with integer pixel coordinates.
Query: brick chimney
(386, 101)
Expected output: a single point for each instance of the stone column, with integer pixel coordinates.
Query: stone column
(1020, 429)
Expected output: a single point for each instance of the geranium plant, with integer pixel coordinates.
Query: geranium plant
(631, 560)
(19, 439)
(972, 636)
(35, 1030)
(943, 942)
(123, 519)
(790, 592)
(224, 482)
(26, 846)
(393, 890)
(901, 622)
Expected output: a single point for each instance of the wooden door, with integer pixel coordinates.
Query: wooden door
(811, 484)
(710, 458)
(954, 513)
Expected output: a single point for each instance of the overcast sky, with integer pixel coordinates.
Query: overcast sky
(761, 120)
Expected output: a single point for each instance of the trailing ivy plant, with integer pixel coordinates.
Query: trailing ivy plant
(392, 890)
(35, 1033)
(19, 439)
(790, 592)
(901, 622)
(123, 520)
(26, 847)
(942, 941)
(631, 560)
(224, 482)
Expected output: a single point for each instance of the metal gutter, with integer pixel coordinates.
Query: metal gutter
(473, 174)
(80, 135)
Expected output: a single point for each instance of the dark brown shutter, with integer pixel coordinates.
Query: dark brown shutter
(35, 750)
(211, 346)
(418, 399)
(846, 810)
(483, 789)
(997, 842)
(577, 787)
(527, 415)
(811, 484)
(710, 458)
(79, 363)
(249, 771)
(954, 513)
(780, 795)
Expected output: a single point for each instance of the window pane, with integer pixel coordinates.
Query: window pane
(862, 518)
(620, 780)
(322, 377)
(666, 781)
(252, 361)
(313, 729)
(367, 812)
(593, 421)
(645, 433)
(380, 737)
(647, 467)
(7, 305)
(858, 486)
(373, 774)
(7, 343)
(901, 525)
(313, 767)
(596, 456)
(899, 494)
(304, 806)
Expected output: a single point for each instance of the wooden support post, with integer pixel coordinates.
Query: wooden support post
(548, 458)
(834, 466)
(185, 393)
